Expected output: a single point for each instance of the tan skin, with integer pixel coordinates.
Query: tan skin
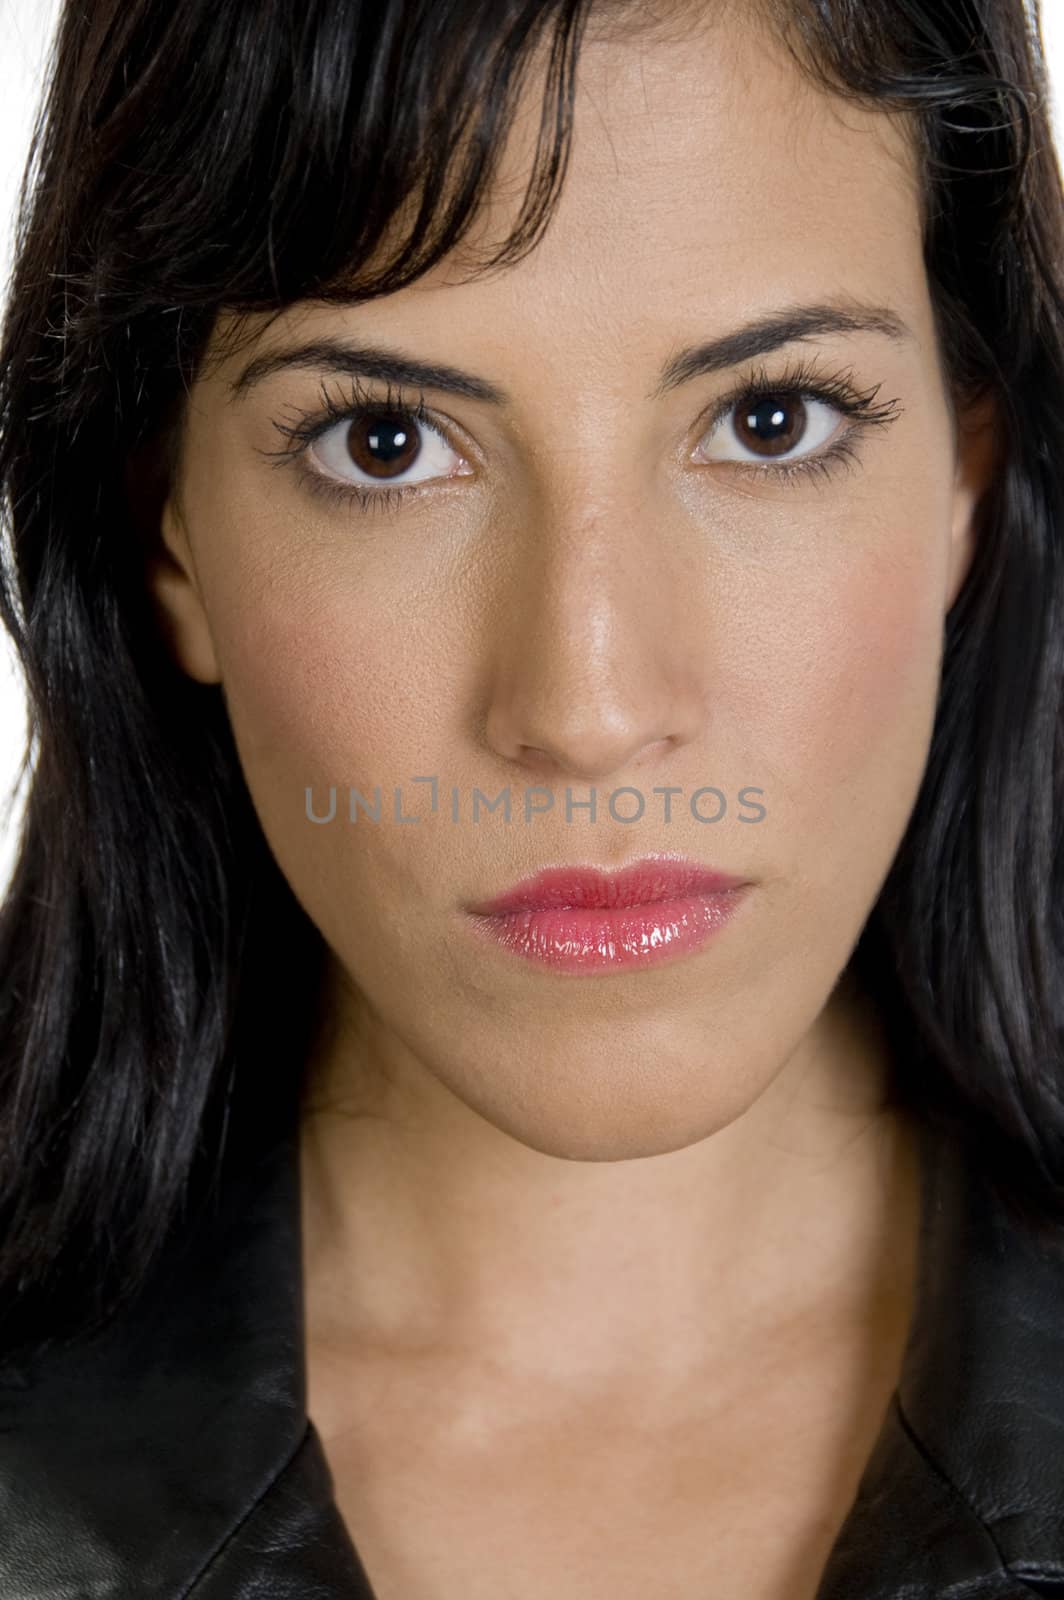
(607, 1279)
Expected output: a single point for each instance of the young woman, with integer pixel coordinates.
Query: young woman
(531, 994)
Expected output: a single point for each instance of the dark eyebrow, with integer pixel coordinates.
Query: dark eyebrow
(772, 332)
(755, 338)
(368, 361)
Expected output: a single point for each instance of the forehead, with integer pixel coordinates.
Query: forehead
(698, 149)
(708, 178)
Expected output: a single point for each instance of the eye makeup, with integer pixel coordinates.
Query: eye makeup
(798, 383)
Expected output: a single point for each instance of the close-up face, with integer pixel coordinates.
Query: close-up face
(596, 568)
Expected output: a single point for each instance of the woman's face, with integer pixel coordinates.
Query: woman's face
(606, 576)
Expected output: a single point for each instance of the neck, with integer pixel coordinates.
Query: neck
(430, 1231)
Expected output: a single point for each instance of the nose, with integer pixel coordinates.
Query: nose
(597, 661)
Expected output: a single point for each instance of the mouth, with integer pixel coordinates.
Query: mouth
(585, 919)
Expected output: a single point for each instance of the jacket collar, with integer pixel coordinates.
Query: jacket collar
(172, 1455)
(141, 1461)
(963, 1494)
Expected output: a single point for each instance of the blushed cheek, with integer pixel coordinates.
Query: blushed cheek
(321, 696)
(311, 685)
(877, 709)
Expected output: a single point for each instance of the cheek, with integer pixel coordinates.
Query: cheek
(326, 682)
(861, 708)
(887, 644)
(324, 676)
(329, 685)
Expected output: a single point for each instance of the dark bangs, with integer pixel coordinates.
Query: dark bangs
(157, 977)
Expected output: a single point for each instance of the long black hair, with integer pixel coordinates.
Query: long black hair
(157, 976)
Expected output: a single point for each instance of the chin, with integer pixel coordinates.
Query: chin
(621, 1114)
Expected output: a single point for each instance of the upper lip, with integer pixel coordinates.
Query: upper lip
(640, 882)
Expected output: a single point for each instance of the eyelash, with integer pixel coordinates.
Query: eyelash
(800, 380)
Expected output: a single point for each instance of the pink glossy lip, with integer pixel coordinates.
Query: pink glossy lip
(584, 919)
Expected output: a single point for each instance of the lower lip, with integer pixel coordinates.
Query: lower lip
(600, 939)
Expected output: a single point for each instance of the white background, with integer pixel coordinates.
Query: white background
(25, 33)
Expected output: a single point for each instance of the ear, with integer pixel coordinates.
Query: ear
(979, 453)
(179, 607)
(169, 570)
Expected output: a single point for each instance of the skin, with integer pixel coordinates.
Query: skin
(581, 1216)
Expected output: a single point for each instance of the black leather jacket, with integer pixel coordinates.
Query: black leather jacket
(171, 1456)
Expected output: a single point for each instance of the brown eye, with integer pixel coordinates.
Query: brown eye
(771, 427)
(370, 447)
(383, 445)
